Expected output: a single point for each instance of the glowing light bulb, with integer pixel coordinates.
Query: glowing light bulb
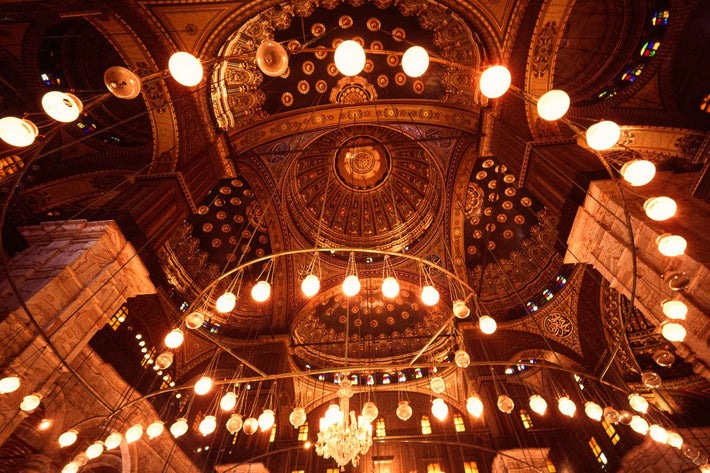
(155, 429)
(68, 438)
(611, 415)
(174, 338)
(185, 68)
(660, 208)
(593, 410)
(553, 105)
(566, 406)
(179, 427)
(658, 433)
(234, 423)
(226, 302)
(194, 320)
(9, 384)
(439, 409)
(333, 415)
(603, 135)
(415, 61)
(250, 426)
(95, 450)
(494, 81)
(228, 401)
(349, 58)
(30, 402)
(638, 172)
(18, 132)
(207, 426)
(351, 285)
(639, 424)
(675, 309)
(462, 359)
(675, 440)
(203, 385)
(164, 360)
(671, 245)
(134, 433)
(71, 467)
(404, 410)
(261, 291)
(390, 287)
(113, 440)
(487, 324)
(474, 406)
(45, 424)
(310, 285)
(61, 106)
(461, 310)
(505, 404)
(266, 419)
(370, 411)
(638, 403)
(538, 404)
(673, 332)
(430, 296)
(297, 417)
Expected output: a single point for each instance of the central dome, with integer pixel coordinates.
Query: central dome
(374, 187)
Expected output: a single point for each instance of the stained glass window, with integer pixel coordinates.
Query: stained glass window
(649, 48)
(660, 18)
(426, 425)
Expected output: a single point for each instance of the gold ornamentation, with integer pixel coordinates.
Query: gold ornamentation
(216, 243)
(382, 81)
(320, 54)
(332, 69)
(481, 175)
(502, 218)
(287, 99)
(557, 325)
(226, 228)
(286, 74)
(369, 66)
(225, 190)
(336, 42)
(418, 87)
(221, 215)
(318, 29)
(519, 219)
(359, 40)
(308, 67)
(345, 22)
(376, 46)
(392, 60)
(373, 24)
(293, 45)
(510, 191)
(303, 87)
(400, 78)
(526, 201)
(507, 205)
(487, 163)
(398, 34)
(202, 209)
(321, 86)
(509, 178)
(507, 234)
(207, 227)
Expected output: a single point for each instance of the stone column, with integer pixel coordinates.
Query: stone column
(521, 460)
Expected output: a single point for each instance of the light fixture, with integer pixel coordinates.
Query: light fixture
(505, 404)
(155, 429)
(673, 332)
(30, 402)
(174, 338)
(474, 406)
(261, 291)
(351, 285)
(675, 309)
(207, 425)
(638, 403)
(487, 324)
(494, 81)
(370, 411)
(81, 459)
(179, 427)
(671, 245)
(68, 438)
(462, 359)
(333, 415)
(61, 106)
(553, 105)
(272, 58)
(638, 172)
(625, 417)
(674, 440)
(228, 401)
(611, 415)
(9, 384)
(266, 419)
(310, 285)
(603, 135)
(134, 433)
(439, 409)
(658, 433)
(651, 379)
(203, 385)
(593, 410)
(44, 424)
(18, 132)
(234, 423)
(404, 410)
(415, 61)
(461, 310)
(566, 406)
(194, 320)
(639, 424)
(122, 83)
(250, 426)
(660, 208)
(297, 417)
(95, 450)
(437, 384)
(113, 440)
(164, 360)
(349, 58)
(390, 287)
(226, 302)
(538, 404)
(430, 296)
(71, 467)
(185, 68)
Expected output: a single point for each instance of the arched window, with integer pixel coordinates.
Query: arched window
(380, 430)
(459, 423)
(303, 432)
(426, 425)
(525, 417)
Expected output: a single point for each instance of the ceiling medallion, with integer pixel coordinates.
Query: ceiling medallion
(373, 24)
(352, 90)
(345, 22)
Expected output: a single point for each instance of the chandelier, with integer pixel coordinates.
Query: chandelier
(341, 436)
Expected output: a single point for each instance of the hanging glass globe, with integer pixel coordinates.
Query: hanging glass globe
(691, 452)
(663, 358)
(487, 324)
(207, 426)
(611, 415)
(437, 384)
(113, 440)
(439, 409)
(185, 68)
(673, 332)
(267, 419)
(333, 415)
(370, 411)
(9, 384)
(538, 404)
(134, 433)
(404, 410)
(553, 105)
(566, 406)
(234, 423)
(625, 417)
(155, 429)
(179, 427)
(474, 406)
(68, 438)
(390, 287)
(30, 402)
(675, 309)
(349, 58)
(18, 132)
(660, 208)
(505, 404)
(639, 424)
(61, 106)
(351, 285)
(651, 379)
(228, 401)
(674, 440)
(194, 320)
(593, 410)
(494, 81)
(226, 302)
(638, 172)
(415, 61)
(658, 433)
(164, 360)
(71, 467)
(81, 459)
(638, 403)
(430, 296)
(95, 450)
(203, 385)
(250, 426)
(310, 285)
(603, 135)
(174, 338)
(297, 417)
(261, 291)
(462, 359)
(461, 310)
(671, 245)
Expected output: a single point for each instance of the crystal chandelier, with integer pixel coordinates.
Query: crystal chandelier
(342, 437)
